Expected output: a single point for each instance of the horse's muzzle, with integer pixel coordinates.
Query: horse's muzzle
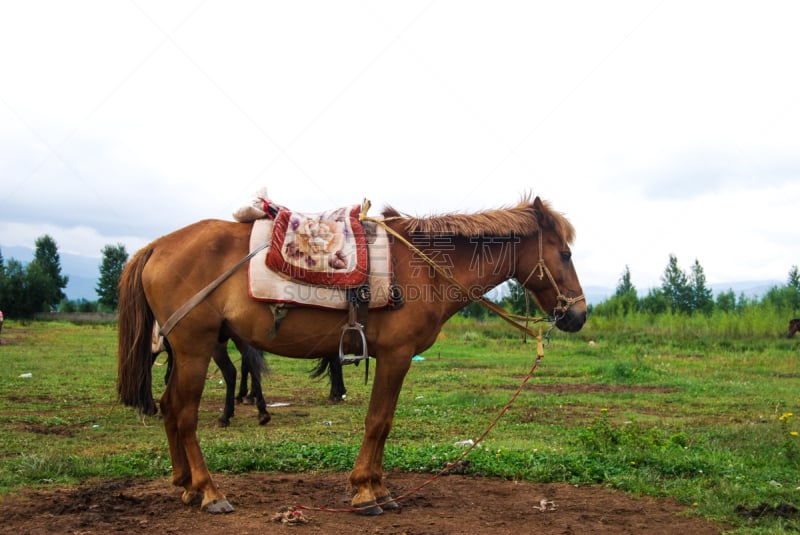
(572, 320)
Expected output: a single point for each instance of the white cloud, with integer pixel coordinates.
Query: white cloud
(80, 240)
(657, 127)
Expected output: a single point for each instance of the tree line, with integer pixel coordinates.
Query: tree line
(687, 293)
(680, 292)
(27, 290)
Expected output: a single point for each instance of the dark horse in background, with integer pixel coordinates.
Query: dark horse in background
(528, 242)
(253, 367)
(794, 326)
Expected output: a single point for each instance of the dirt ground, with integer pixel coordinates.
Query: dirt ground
(451, 505)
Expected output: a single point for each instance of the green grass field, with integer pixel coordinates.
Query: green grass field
(678, 407)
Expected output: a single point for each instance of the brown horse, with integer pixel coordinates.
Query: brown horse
(529, 242)
(794, 326)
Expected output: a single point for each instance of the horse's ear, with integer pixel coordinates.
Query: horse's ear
(542, 213)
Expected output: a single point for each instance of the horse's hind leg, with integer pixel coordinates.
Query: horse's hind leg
(223, 361)
(263, 414)
(338, 389)
(241, 397)
(179, 406)
(253, 363)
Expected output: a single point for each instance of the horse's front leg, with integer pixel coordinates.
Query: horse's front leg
(367, 474)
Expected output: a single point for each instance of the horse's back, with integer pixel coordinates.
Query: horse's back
(186, 260)
(207, 232)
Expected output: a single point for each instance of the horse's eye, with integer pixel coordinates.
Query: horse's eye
(566, 255)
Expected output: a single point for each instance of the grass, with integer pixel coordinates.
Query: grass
(705, 417)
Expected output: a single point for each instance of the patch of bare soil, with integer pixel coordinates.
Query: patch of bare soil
(454, 504)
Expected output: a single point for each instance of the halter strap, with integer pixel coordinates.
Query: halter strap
(562, 301)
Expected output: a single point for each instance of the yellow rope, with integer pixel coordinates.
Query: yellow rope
(482, 300)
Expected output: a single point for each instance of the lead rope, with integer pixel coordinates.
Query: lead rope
(449, 466)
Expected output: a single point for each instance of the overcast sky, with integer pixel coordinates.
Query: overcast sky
(658, 128)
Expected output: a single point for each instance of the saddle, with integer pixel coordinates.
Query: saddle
(325, 249)
(327, 260)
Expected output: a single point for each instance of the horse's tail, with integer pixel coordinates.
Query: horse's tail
(254, 360)
(323, 367)
(134, 350)
(332, 367)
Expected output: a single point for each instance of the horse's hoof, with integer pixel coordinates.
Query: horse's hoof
(387, 503)
(222, 422)
(217, 506)
(191, 498)
(370, 508)
(264, 419)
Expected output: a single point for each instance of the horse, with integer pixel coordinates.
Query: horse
(794, 326)
(454, 259)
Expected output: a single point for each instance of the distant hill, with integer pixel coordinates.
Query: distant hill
(83, 271)
(597, 294)
(751, 289)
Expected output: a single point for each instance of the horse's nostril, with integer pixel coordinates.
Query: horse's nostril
(572, 322)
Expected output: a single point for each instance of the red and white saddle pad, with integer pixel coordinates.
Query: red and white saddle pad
(300, 244)
(328, 248)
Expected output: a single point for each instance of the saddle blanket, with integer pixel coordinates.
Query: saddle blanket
(328, 248)
(276, 286)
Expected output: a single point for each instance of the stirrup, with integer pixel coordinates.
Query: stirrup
(353, 359)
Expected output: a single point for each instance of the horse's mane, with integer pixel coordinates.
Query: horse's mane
(521, 220)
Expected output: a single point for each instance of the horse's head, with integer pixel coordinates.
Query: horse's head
(544, 266)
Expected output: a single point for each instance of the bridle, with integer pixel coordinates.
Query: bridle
(563, 303)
